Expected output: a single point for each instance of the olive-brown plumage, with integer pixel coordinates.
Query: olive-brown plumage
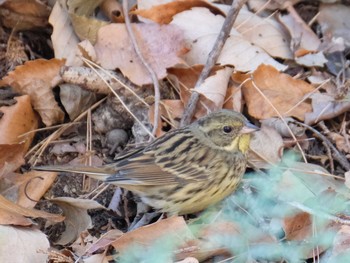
(185, 170)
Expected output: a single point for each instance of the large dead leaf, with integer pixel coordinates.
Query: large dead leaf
(201, 29)
(160, 46)
(33, 185)
(283, 91)
(23, 245)
(64, 39)
(147, 235)
(11, 157)
(37, 78)
(77, 218)
(12, 213)
(24, 15)
(163, 13)
(17, 120)
(264, 32)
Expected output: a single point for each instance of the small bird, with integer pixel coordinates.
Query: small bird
(187, 169)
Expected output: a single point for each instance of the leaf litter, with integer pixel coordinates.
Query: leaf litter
(274, 65)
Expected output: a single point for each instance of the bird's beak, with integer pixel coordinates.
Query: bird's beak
(249, 128)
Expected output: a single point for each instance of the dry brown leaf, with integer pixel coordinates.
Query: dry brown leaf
(105, 240)
(33, 184)
(37, 78)
(283, 91)
(201, 29)
(75, 99)
(146, 236)
(266, 148)
(163, 13)
(298, 227)
(161, 46)
(23, 245)
(64, 39)
(77, 218)
(11, 210)
(24, 15)
(17, 120)
(325, 107)
(11, 157)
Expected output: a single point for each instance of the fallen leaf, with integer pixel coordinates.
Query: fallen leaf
(163, 13)
(264, 32)
(161, 47)
(77, 218)
(334, 22)
(23, 245)
(304, 40)
(341, 244)
(33, 184)
(64, 40)
(201, 29)
(11, 157)
(37, 78)
(298, 227)
(146, 236)
(266, 148)
(17, 120)
(283, 91)
(325, 107)
(24, 15)
(12, 213)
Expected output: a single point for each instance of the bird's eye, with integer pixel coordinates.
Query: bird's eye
(227, 129)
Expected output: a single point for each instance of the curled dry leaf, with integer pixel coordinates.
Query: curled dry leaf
(11, 157)
(37, 78)
(146, 236)
(19, 213)
(325, 107)
(281, 90)
(33, 184)
(17, 120)
(266, 148)
(304, 40)
(161, 47)
(77, 218)
(64, 39)
(280, 126)
(24, 15)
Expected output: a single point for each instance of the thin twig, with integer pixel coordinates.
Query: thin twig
(118, 97)
(147, 66)
(212, 58)
(341, 159)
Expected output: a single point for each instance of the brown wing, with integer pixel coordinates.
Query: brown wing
(173, 158)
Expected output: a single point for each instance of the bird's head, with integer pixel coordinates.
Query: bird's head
(226, 130)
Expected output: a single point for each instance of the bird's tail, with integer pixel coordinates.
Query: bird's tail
(99, 173)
